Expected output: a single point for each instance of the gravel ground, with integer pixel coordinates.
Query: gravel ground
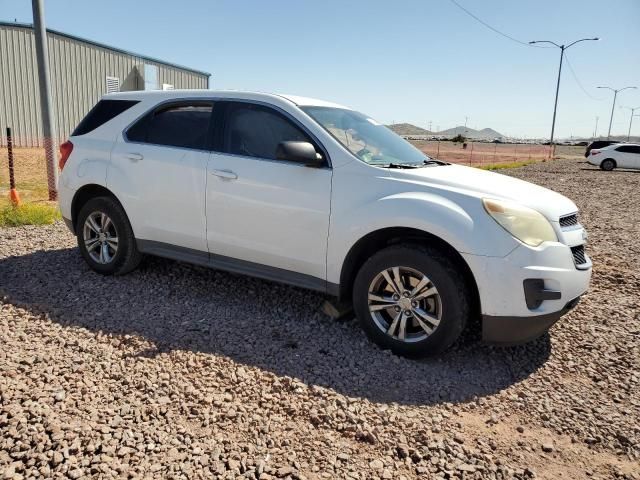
(176, 371)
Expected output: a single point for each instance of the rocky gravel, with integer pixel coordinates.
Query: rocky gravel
(176, 371)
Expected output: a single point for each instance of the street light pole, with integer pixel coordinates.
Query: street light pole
(613, 107)
(562, 49)
(631, 120)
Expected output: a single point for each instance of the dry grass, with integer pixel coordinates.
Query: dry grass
(31, 183)
(36, 213)
(501, 166)
(30, 172)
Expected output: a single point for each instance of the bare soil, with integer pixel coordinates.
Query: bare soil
(479, 153)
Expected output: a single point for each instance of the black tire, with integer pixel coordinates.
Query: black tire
(608, 164)
(455, 297)
(126, 257)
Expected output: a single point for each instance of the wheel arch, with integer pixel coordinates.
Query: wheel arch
(83, 195)
(374, 241)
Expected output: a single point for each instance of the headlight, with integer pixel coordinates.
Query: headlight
(526, 224)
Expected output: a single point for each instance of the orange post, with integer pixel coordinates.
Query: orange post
(14, 197)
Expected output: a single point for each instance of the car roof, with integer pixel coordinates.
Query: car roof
(160, 95)
(618, 144)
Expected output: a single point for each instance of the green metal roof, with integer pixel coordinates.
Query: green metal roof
(102, 45)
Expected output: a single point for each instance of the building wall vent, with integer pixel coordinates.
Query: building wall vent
(113, 84)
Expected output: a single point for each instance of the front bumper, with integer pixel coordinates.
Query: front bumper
(523, 294)
(515, 330)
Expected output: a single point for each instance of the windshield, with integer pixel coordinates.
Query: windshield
(367, 139)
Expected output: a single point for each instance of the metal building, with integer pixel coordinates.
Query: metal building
(81, 72)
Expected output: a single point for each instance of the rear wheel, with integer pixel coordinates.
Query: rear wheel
(411, 300)
(608, 164)
(105, 237)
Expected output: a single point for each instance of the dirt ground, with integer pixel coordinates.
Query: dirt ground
(176, 371)
(479, 154)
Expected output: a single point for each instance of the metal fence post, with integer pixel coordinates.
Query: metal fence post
(13, 193)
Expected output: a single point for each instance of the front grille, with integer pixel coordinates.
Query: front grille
(579, 257)
(569, 220)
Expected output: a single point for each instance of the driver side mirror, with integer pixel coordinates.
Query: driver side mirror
(302, 152)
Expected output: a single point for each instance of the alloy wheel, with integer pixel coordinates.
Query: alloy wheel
(100, 237)
(405, 304)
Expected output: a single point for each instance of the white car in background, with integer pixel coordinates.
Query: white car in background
(621, 155)
(319, 196)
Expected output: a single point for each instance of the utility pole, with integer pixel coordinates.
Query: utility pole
(48, 127)
(595, 130)
(562, 49)
(613, 107)
(631, 120)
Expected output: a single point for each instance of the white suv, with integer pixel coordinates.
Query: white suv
(317, 195)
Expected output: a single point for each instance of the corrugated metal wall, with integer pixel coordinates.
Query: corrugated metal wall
(79, 73)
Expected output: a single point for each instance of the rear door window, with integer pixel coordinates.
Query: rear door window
(183, 125)
(103, 111)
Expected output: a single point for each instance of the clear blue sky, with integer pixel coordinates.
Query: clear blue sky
(404, 60)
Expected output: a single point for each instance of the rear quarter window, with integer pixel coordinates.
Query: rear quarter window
(103, 111)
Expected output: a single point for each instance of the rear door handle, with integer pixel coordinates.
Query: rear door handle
(134, 156)
(228, 174)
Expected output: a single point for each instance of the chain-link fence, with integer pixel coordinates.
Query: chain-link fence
(483, 154)
(29, 172)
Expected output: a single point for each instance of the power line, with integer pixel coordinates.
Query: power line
(495, 29)
(575, 77)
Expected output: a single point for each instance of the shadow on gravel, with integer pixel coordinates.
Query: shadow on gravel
(257, 323)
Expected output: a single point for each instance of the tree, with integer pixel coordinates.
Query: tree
(459, 138)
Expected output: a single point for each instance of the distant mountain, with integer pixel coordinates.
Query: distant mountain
(484, 134)
(490, 133)
(408, 129)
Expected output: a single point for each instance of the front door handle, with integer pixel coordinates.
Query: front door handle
(134, 156)
(228, 174)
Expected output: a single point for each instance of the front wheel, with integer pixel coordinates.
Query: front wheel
(412, 300)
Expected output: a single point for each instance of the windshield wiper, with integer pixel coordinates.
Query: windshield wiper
(432, 161)
(400, 165)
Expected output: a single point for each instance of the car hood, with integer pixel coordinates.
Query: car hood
(486, 184)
